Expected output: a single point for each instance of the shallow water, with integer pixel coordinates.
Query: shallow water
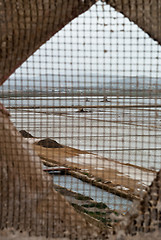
(97, 194)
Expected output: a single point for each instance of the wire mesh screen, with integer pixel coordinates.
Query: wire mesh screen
(86, 107)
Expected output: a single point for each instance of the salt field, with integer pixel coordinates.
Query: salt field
(109, 129)
(126, 129)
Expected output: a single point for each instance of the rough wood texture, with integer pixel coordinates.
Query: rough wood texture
(26, 25)
(144, 218)
(145, 13)
(28, 201)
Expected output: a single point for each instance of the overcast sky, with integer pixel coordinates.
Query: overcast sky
(99, 42)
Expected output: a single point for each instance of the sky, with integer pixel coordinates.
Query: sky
(100, 42)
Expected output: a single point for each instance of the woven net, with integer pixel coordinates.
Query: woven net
(80, 119)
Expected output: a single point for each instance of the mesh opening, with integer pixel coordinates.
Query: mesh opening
(86, 107)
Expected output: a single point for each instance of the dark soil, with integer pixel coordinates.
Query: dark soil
(26, 134)
(49, 143)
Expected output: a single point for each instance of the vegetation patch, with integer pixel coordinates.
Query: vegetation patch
(82, 197)
(99, 205)
(85, 173)
(101, 216)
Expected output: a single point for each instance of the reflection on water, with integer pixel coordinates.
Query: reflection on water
(97, 194)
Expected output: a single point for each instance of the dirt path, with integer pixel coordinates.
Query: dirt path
(127, 178)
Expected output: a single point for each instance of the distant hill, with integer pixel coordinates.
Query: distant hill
(87, 85)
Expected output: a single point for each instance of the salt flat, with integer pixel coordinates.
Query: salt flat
(118, 141)
(128, 135)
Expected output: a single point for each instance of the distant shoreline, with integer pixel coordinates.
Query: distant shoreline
(80, 92)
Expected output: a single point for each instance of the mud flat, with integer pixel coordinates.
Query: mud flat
(125, 180)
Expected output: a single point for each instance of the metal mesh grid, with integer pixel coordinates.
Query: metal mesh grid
(92, 93)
